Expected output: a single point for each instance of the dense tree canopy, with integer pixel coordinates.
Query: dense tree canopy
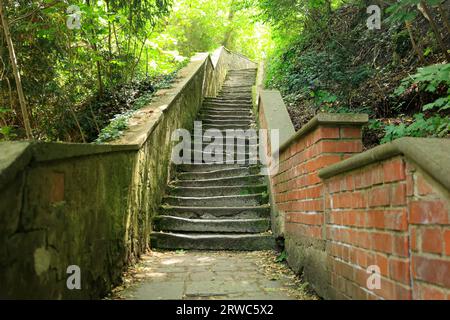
(80, 67)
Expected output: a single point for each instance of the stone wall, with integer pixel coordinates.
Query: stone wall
(342, 211)
(92, 205)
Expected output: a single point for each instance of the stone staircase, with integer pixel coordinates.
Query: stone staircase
(215, 206)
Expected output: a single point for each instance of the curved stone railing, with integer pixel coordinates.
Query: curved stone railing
(346, 214)
(89, 205)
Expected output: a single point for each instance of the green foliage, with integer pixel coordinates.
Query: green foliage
(429, 79)
(6, 133)
(119, 122)
(281, 257)
(72, 78)
(199, 25)
(433, 79)
(435, 126)
(115, 129)
(406, 10)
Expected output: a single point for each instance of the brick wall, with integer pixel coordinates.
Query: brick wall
(379, 208)
(368, 225)
(298, 193)
(428, 205)
(392, 215)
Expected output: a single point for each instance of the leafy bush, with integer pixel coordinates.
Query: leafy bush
(119, 122)
(433, 78)
(435, 126)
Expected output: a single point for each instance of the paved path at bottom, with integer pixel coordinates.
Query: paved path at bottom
(210, 275)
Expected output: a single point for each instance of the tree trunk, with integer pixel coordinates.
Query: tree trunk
(435, 28)
(227, 39)
(98, 65)
(444, 17)
(413, 42)
(16, 72)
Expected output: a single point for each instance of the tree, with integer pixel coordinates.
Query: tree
(16, 72)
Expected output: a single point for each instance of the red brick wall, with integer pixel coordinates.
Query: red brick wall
(297, 187)
(388, 213)
(368, 225)
(429, 209)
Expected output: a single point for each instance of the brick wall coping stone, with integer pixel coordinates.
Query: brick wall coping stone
(431, 154)
(326, 119)
(275, 114)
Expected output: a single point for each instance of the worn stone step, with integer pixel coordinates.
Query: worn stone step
(219, 201)
(233, 113)
(222, 99)
(220, 160)
(225, 112)
(225, 107)
(247, 154)
(234, 91)
(242, 242)
(239, 137)
(206, 167)
(238, 146)
(228, 181)
(227, 121)
(243, 212)
(178, 224)
(216, 190)
(226, 118)
(219, 173)
(230, 96)
(229, 126)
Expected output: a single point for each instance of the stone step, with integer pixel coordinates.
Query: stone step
(230, 117)
(219, 201)
(229, 126)
(206, 167)
(231, 97)
(227, 121)
(242, 145)
(219, 161)
(225, 154)
(216, 190)
(235, 91)
(208, 138)
(243, 212)
(228, 181)
(225, 107)
(247, 87)
(177, 224)
(219, 173)
(228, 100)
(243, 242)
(225, 113)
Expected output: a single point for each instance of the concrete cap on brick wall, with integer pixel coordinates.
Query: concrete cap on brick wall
(430, 154)
(329, 119)
(275, 114)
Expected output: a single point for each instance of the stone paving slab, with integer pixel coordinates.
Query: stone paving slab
(194, 275)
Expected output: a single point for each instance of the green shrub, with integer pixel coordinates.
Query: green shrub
(435, 126)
